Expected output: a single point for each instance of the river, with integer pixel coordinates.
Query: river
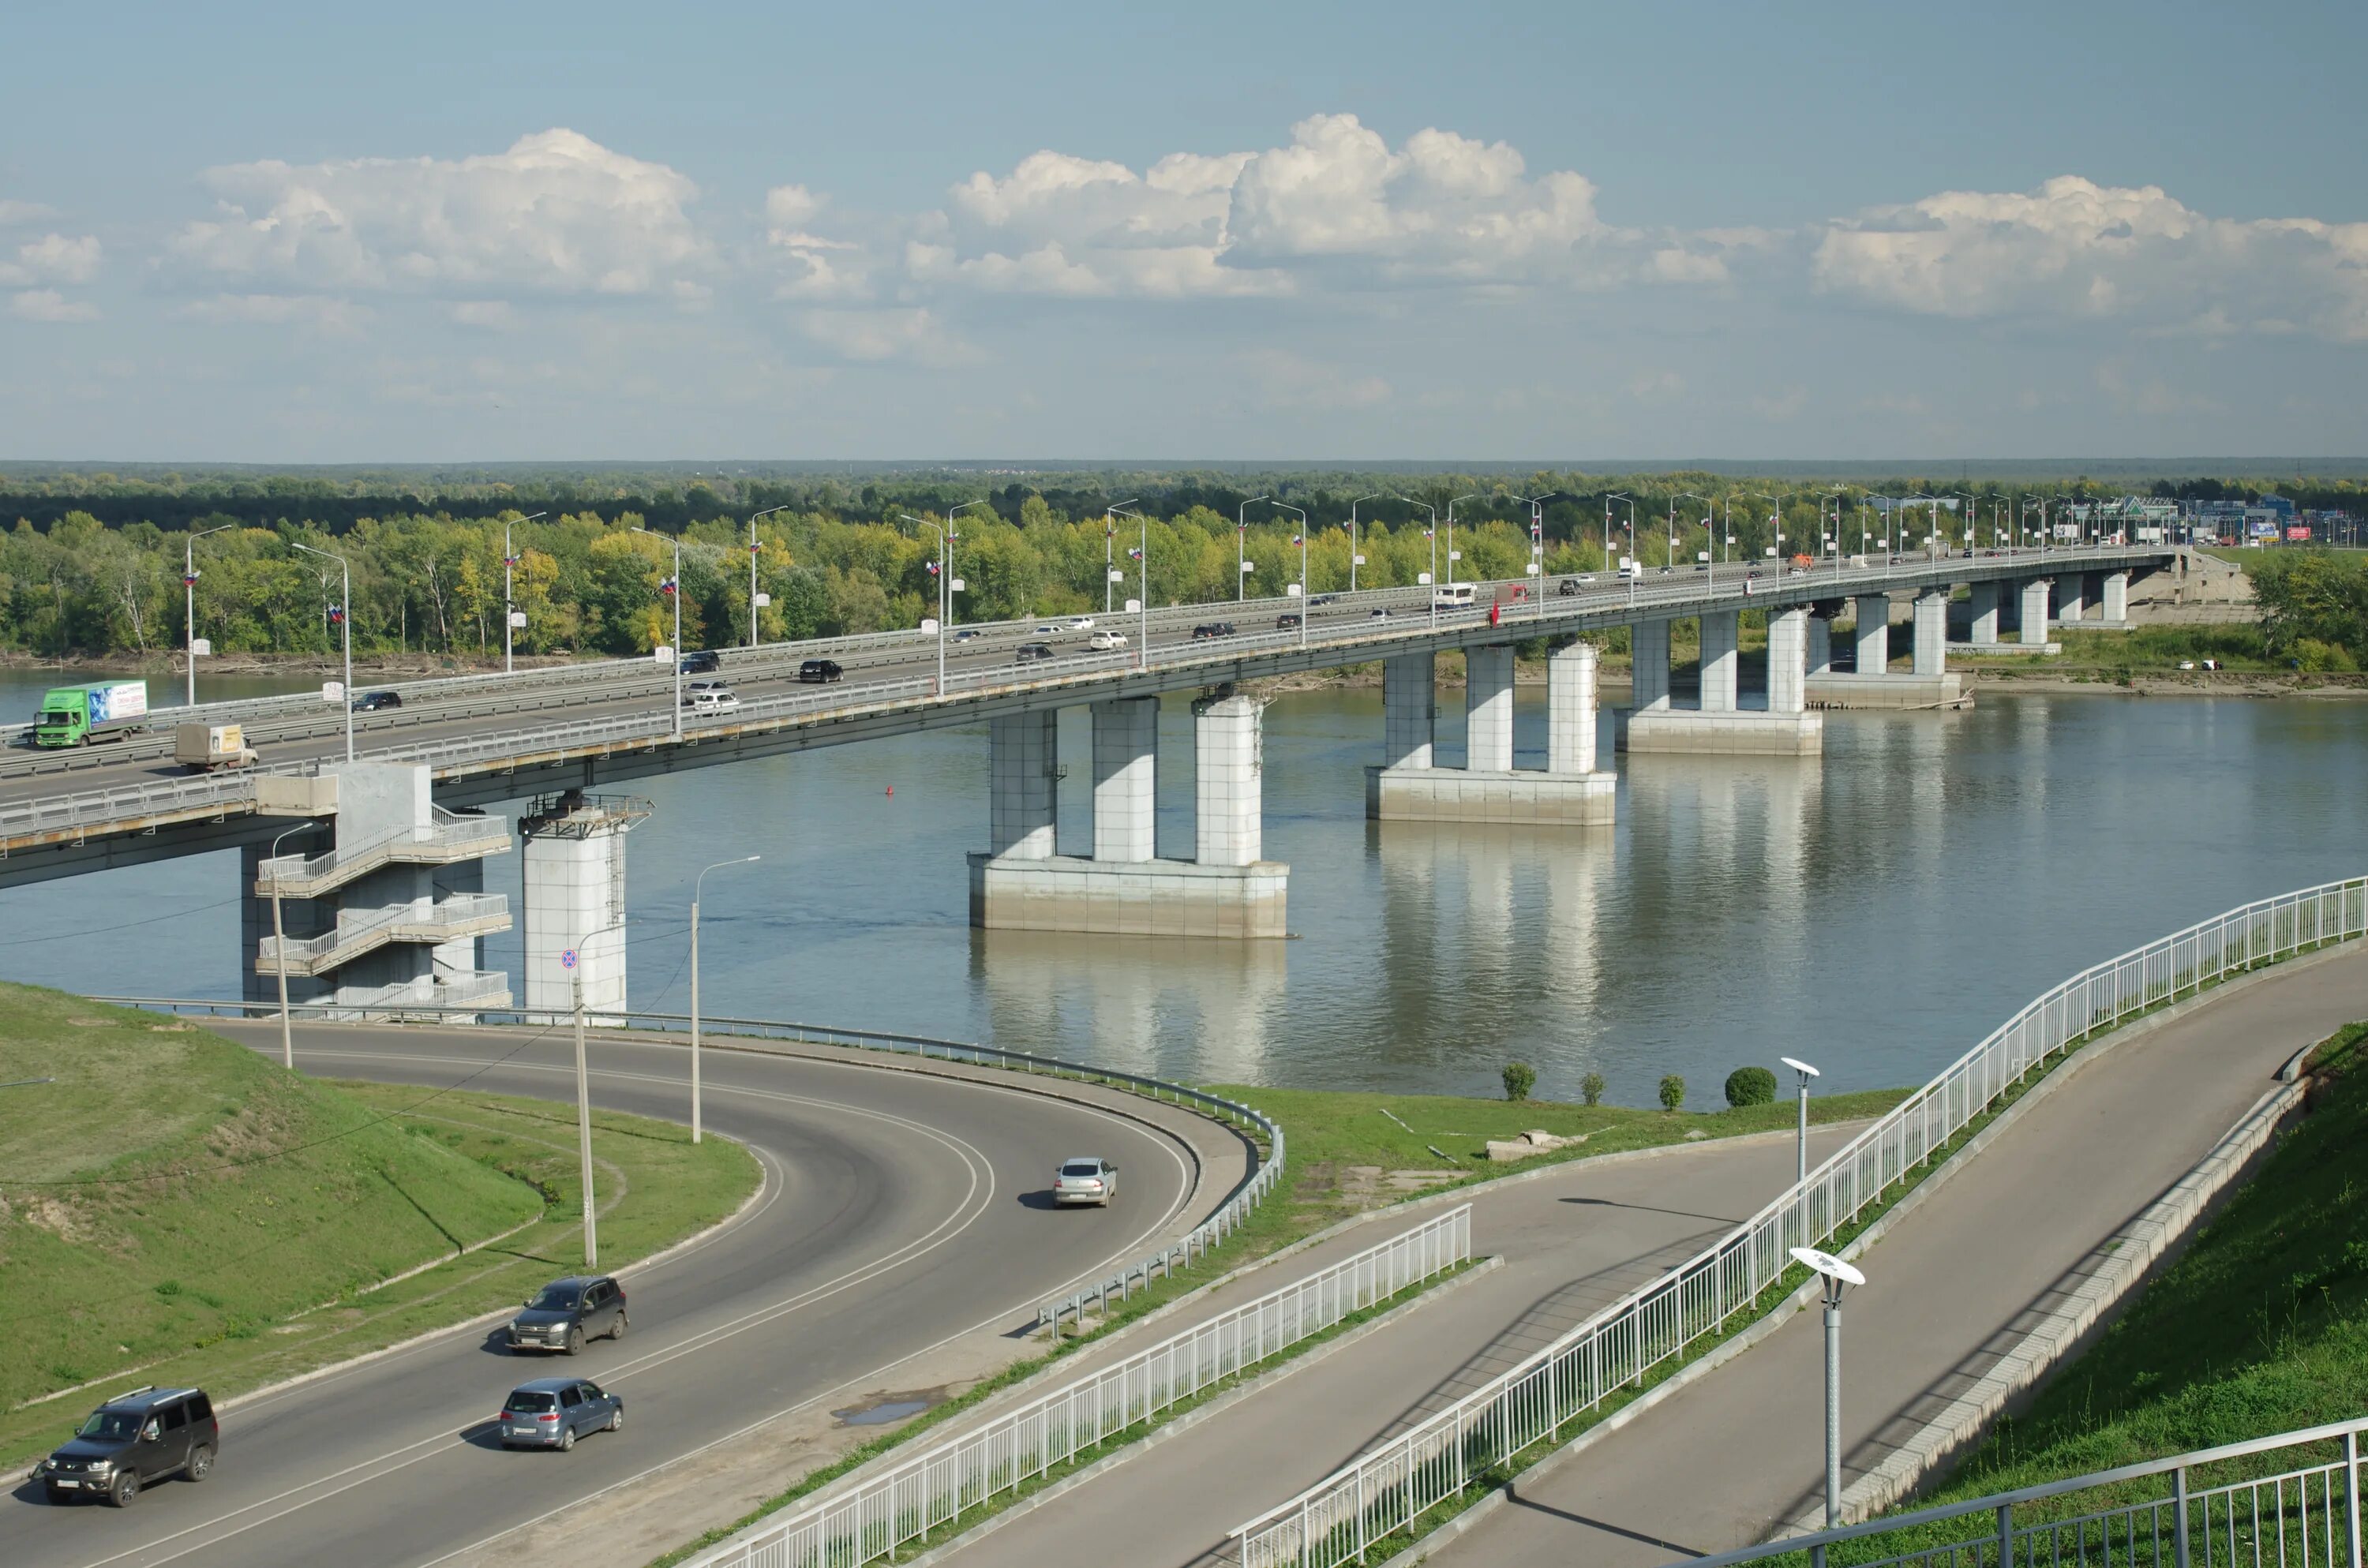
(1875, 915)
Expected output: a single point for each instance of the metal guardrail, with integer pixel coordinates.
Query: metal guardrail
(450, 835)
(401, 999)
(2304, 1513)
(1227, 1219)
(881, 1513)
(360, 931)
(1677, 595)
(1388, 1488)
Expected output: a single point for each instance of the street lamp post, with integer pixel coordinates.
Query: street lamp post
(345, 625)
(1241, 546)
(1804, 1072)
(1537, 570)
(509, 560)
(1111, 573)
(752, 565)
(672, 589)
(584, 1110)
(1142, 583)
(1355, 560)
(743, 861)
(189, 599)
(1302, 516)
(1452, 505)
(1610, 560)
(279, 941)
(945, 575)
(1837, 1274)
(1682, 495)
(1430, 533)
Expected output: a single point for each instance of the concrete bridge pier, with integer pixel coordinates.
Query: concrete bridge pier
(2034, 614)
(575, 882)
(2071, 598)
(2114, 605)
(1719, 723)
(1926, 684)
(1227, 889)
(1873, 612)
(1821, 641)
(1983, 623)
(1488, 788)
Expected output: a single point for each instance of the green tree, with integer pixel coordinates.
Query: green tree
(1520, 1079)
(1673, 1092)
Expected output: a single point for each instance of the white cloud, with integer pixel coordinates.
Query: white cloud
(1292, 381)
(48, 305)
(2074, 248)
(53, 258)
(489, 313)
(318, 313)
(555, 214)
(1337, 204)
(12, 211)
(873, 336)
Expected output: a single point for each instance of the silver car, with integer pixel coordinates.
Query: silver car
(1084, 1178)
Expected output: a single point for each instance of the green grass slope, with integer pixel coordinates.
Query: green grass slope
(169, 1189)
(2261, 1326)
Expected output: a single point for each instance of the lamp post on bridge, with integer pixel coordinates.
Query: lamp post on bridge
(509, 606)
(753, 548)
(1537, 572)
(1674, 499)
(1111, 573)
(1452, 505)
(344, 617)
(1430, 578)
(1142, 584)
(1355, 560)
(695, 881)
(1609, 560)
(189, 599)
(1302, 542)
(672, 589)
(1837, 1275)
(1241, 547)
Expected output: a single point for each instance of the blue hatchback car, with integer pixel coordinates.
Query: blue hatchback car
(552, 1413)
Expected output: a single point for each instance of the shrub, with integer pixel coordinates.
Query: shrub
(1590, 1088)
(2316, 657)
(1673, 1092)
(1520, 1079)
(1751, 1085)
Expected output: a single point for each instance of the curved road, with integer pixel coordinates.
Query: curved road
(902, 1212)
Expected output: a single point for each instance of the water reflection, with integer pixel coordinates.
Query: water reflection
(1198, 1010)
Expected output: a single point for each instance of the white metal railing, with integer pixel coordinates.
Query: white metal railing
(450, 835)
(882, 1512)
(426, 919)
(1388, 1488)
(430, 997)
(2305, 1512)
(1676, 595)
(1227, 1219)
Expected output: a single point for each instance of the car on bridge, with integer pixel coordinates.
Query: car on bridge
(1030, 652)
(819, 672)
(1107, 642)
(1289, 621)
(377, 702)
(705, 698)
(1084, 1178)
(566, 1313)
(552, 1413)
(1047, 630)
(1081, 623)
(1209, 629)
(700, 662)
(967, 634)
(1320, 601)
(150, 1433)
(1381, 612)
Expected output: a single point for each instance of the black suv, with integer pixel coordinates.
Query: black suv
(817, 671)
(1212, 628)
(1287, 622)
(377, 702)
(132, 1439)
(566, 1313)
(1028, 653)
(703, 662)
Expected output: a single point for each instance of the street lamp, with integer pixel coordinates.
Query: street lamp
(1287, 506)
(189, 597)
(945, 575)
(1536, 505)
(672, 589)
(1355, 560)
(1608, 559)
(1142, 584)
(1111, 574)
(279, 941)
(1452, 505)
(1805, 1073)
(1682, 495)
(584, 1101)
(1837, 1275)
(1241, 542)
(1430, 578)
(345, 617)
(509, 560)
(695, 881)
(752, 565)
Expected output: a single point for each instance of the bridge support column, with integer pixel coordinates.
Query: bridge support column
(575, 879)
(1570, 793)
(1126, 777)
(1227, 889)
(1931, 646)
(1874, 611)
(1409, 711)
(1982, 629)
(1648, 662)
(1721, 630)
(2034, 612)
(1820, 657)
(1488, 709)
(2116, 605)
(1791, 636)
(2071, 598)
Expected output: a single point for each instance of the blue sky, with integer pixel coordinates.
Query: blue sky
(283, 233)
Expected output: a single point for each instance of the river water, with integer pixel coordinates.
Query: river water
(1875, 915)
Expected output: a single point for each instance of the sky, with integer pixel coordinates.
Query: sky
(1295, 231)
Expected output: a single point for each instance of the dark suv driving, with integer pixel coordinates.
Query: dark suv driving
(820, 672)
(700, 662)
(132, 1439)
(566, 1313)
(377, 702)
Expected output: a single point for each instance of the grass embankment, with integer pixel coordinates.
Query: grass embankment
(2261, 1327)
(1328, 1135)
(174, 1207)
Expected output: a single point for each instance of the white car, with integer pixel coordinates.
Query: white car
(1107, 642)
(1084, 1178)
(1081, 623)
(1047, 630)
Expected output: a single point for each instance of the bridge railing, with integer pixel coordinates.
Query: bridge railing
(888, 1508)
(1227, 1219)
(2293, 1498)
(1388, 1488)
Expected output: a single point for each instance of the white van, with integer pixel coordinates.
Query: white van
(1453, 596)
(708, 700)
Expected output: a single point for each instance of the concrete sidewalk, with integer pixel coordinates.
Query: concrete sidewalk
(1574, 1238)
(1728, 1459)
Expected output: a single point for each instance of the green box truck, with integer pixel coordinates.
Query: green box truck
(102, 711)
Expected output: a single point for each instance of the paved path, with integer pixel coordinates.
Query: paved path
(1727, 1459)
(1574, 1239)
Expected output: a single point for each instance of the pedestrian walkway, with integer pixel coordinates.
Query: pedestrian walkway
(1730, 1458)
(1574, 1239)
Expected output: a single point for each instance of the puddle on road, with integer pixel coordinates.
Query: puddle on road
(886, 1410)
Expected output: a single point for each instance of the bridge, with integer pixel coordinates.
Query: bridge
(409, 917)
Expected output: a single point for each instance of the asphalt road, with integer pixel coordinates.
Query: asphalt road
(902, 1210)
